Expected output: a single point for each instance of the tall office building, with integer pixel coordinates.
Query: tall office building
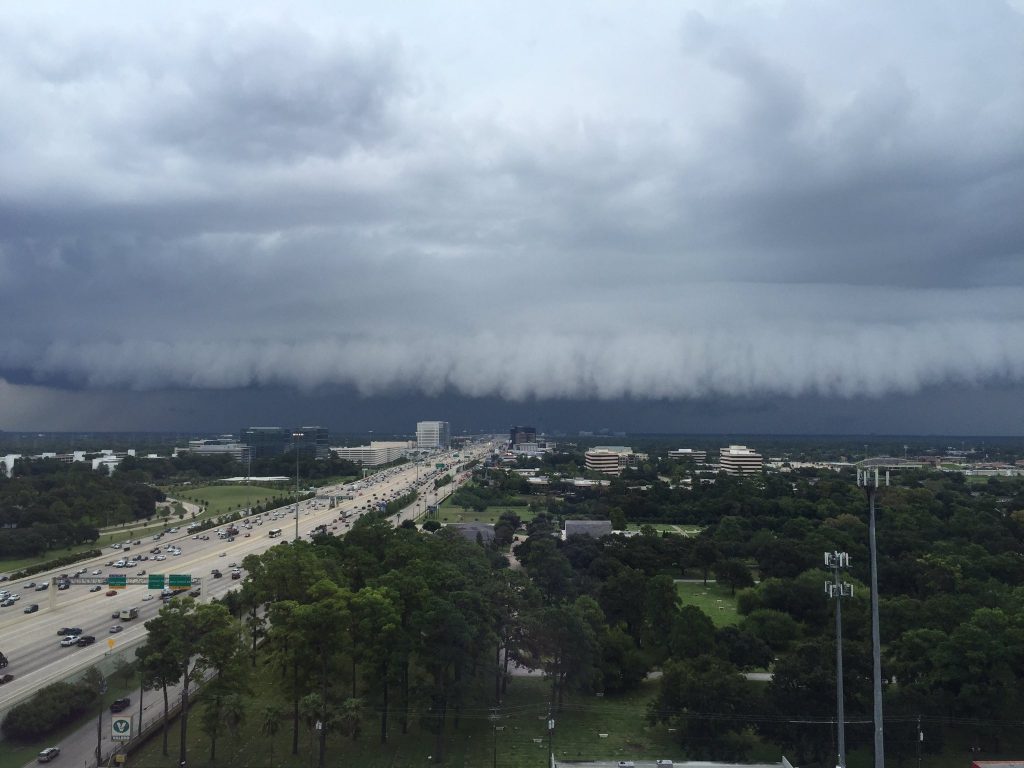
(433, 434)
(519, 435)
(311, 441)
(609, 459)
(266, 442)
(740, 460)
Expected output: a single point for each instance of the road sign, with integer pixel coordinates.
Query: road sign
(179, 580)
(120, 728)
(156, 581)
(117, 582)
(110, 643)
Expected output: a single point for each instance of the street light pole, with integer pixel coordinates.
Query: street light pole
(295, 440)
(838, 590)
(870, 482)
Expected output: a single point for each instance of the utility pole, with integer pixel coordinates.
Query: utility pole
(295, 440)
(838, 590)
(870, 480)
(551, 733)
(99, 721)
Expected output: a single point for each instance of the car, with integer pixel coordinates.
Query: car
(235, 575)
(67, 642)
(111, 592)
(7, 603)
(31, 608)
(120, 705)
(141, 573)
(116, 628)
(223, 554)
(147, 597)
(115, 615)
(69, 631)
(161, 557)
(48, 754)
(42, 587)
(29, 585)
(664, 763)
(217, 575)
(97, 572)
(96, 588)
(64, 585)
(626, 764)
(137, 542)
(232, 565)
(195, 592)
(4, 679)
(85, 640)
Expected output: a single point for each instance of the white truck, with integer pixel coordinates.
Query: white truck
(127, 614)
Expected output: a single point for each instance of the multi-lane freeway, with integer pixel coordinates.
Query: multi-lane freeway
(31, 642)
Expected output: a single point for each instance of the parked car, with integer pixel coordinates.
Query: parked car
(120, 705)
(48, 754)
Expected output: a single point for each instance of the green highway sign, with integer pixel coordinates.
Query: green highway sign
(117, 582)
(179, 580)
(156, 581)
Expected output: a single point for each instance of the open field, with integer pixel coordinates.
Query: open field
(715, 600)
(684, 530)
(453, 513)
(221, 499)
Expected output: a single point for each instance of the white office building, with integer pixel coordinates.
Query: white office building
(608, 459)
(431, 435)
(740, 460)
(697, 457)
(375, 454)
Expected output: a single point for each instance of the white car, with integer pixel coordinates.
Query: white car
(68, 641)
(161, 557)
(147, 597)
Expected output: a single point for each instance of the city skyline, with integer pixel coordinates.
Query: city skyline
(781, 218)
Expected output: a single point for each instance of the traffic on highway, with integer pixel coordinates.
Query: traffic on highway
(74, 625)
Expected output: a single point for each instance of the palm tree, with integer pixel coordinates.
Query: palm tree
(271, 724)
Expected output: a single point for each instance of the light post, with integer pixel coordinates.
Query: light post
(838, 590)
(295, 440)
(871, 481)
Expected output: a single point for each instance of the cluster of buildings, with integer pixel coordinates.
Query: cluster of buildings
(733, 459)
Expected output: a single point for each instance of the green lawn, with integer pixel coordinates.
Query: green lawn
(222, 499)
(452, 513)
(716, 601)
(684, 530)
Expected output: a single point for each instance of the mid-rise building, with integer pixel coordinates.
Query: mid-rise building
(740, 460)
(593, 528)
(608, 459)
(692, 454)
(311, 442)
(375, 454)
(431, 435)
(225, 445)
(266, 442)
(519, 435)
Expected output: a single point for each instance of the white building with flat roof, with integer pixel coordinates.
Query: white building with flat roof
(376, 454)
(740, 460)
(431, 435)
(608, 459)
(697, 457)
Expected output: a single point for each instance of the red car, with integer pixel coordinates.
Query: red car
(111, 592)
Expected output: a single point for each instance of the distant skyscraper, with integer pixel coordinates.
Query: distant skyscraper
(433, 434)
(266, 442)
(311, 441)
(522, 435)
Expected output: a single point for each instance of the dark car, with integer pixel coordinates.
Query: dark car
(31, 608)
(6, 678)
(111, 593)
(85, 640)
(69, 631)
(121, 704)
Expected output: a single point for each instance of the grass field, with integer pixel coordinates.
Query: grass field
(453, 513)
(684, 530)
(221, 499)
(716, 601)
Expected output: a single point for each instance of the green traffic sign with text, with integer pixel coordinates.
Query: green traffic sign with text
(156, 581)
(179, 580)
(117, 581)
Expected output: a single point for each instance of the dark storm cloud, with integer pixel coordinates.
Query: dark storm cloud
(805, 199)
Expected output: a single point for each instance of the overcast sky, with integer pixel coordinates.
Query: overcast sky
(697, 207)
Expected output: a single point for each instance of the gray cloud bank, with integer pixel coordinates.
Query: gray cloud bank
(806, 199)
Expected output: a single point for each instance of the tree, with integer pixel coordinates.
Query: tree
(733, 573)
(707, 701)
(705, 555)
(270, 724)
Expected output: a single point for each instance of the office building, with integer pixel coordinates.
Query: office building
(593, 528)
(691, 454)
(608, 459)
(519, 435)
(432, 435)
(311, 442)
(375, 454)
(740, 460)
(266, 442)
(225, 445)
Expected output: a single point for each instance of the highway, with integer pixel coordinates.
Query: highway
(31, 642)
